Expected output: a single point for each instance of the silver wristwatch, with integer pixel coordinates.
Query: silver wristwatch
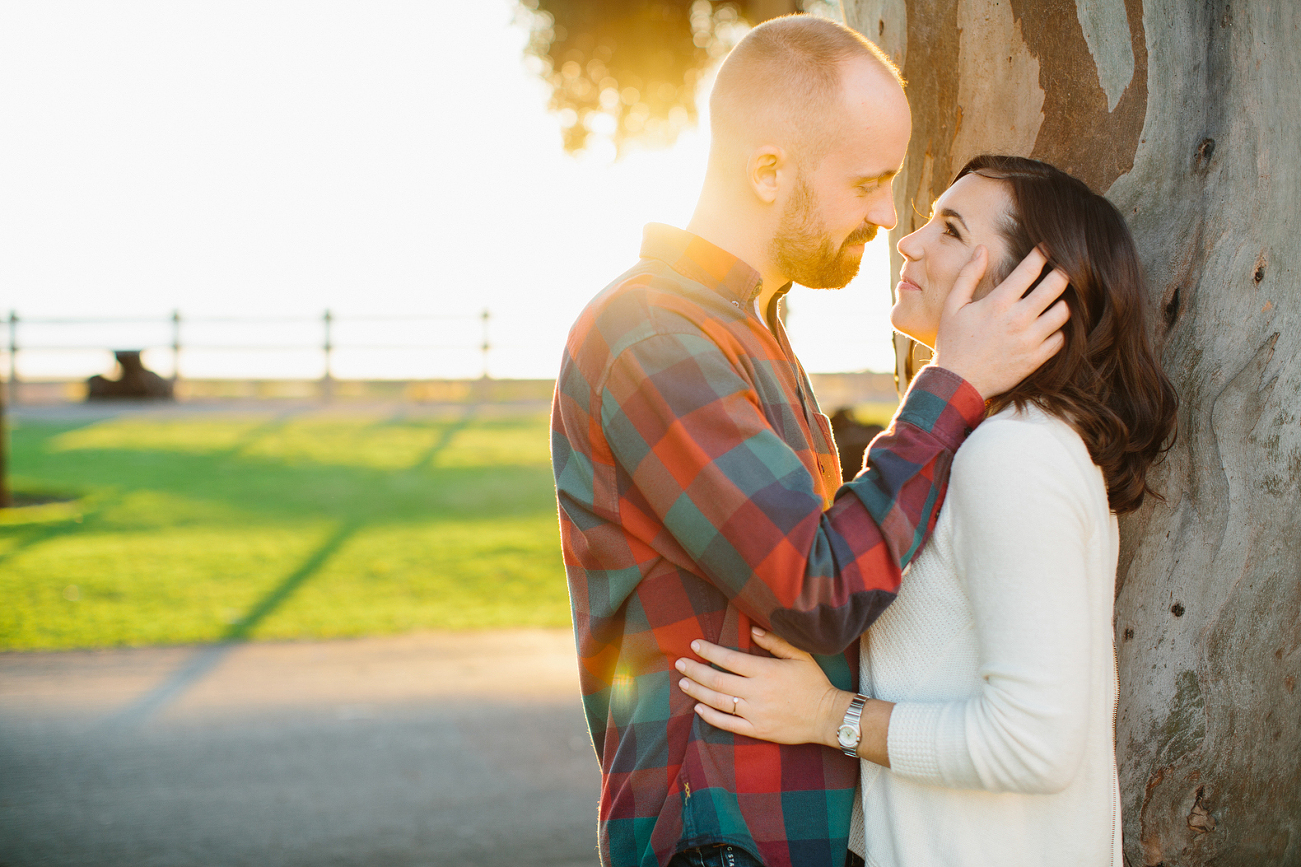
(850, 733)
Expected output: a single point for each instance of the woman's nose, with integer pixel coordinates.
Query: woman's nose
(909, 247)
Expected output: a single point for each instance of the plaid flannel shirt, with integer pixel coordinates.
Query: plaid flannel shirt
(699, 493)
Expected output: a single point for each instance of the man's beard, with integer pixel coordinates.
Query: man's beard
(802, 250)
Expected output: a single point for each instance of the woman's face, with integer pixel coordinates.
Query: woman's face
(968, 215)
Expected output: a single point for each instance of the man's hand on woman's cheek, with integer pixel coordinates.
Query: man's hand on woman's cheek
(996, 342)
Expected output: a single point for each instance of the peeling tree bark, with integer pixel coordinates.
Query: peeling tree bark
(1186, 115)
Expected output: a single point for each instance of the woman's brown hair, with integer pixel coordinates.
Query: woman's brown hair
(1105, 382)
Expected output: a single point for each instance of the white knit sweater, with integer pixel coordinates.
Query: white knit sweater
(999, 654)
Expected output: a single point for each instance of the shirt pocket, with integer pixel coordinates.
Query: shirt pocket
(824, 449)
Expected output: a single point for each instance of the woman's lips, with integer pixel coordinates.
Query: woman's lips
(906, 285)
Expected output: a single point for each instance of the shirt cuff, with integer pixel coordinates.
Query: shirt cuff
(943, 404)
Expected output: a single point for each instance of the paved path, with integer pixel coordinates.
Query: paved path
(457, 749)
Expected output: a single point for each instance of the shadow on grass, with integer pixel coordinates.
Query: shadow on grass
(233, 484)
(272, 425)
(450, 432)
(23, 499)
(43, 529)
(240, 629)
(31, 536)
(207, 658)
(40, 532)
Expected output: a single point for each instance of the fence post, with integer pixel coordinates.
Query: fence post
(176, 349)
(327, 381)
(13, 358)
(486, 345)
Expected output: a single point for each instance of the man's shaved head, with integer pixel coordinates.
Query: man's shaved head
(783, 85)
(809, 126)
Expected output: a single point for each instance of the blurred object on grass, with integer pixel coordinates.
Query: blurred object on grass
(134, 382)
(852, 439)
(854, 427)
(297, 525)
(875, 412)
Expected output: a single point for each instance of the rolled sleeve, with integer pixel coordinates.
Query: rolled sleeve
(741, 509)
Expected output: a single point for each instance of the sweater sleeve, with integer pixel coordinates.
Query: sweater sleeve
(716, 488)
(1021, 529)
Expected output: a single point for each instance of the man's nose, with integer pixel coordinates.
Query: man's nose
(883, 213)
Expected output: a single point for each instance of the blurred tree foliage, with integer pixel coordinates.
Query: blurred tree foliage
(628, 69)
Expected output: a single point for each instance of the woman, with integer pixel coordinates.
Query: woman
(989, 734)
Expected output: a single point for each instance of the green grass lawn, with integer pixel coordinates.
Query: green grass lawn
(207, 528)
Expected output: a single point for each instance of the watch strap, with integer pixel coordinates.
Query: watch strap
(853, 717)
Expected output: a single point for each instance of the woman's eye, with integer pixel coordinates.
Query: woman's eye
(952, 230)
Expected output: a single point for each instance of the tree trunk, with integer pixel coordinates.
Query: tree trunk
(1185, 114)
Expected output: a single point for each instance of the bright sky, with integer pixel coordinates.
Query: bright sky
(239, 158)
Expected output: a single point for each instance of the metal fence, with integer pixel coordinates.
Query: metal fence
(326, 341)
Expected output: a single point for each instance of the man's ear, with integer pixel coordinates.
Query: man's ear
(766, 171)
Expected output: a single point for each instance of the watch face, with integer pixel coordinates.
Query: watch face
(847, 735)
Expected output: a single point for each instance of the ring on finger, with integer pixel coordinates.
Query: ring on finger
(736, 699)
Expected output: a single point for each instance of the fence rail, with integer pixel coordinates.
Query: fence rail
(326, 344)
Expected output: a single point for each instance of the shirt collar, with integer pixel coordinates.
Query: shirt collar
(697, 259)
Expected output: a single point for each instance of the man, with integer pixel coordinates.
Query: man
(698, 484)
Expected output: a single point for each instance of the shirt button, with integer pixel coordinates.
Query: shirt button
(736, 303)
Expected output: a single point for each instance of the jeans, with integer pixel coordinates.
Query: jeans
(715, 856)
(732, 856)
